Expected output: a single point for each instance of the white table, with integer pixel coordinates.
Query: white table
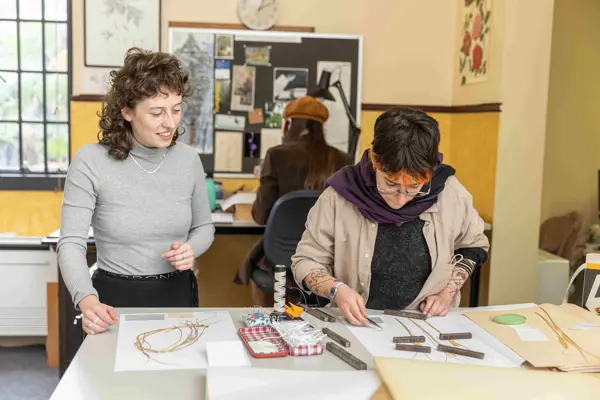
(91, 374)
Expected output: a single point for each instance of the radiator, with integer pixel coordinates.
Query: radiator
(552, 278)
(23, 278)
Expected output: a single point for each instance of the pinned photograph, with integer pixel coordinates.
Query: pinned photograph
(258, 55)
(224, 47)
(230, 122)
(242, 92)
(289, 83)
(251, 145)
(223, 69)
(229, 149)
(222, 95)
(256, 116)
(274, 114)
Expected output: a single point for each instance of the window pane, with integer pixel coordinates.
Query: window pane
(31, 46)
(31, 97)
(8, 9)
(56, 97)
(57, 55)
(33, 147)
(58, 147)
(9, 146)
(8, 45)
(55, 10)
(9, 96)
(30, 9)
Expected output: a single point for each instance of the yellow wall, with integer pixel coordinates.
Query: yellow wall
(519, 171)
(408, 46)
(27, 213)
(572, 157)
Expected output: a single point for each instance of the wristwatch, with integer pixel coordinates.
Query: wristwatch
(334, 289)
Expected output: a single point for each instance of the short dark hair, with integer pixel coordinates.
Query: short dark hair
(405, 143)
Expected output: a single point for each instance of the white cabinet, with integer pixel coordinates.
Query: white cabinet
(23, 278)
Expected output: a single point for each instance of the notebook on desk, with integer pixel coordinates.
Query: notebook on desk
(222, 218)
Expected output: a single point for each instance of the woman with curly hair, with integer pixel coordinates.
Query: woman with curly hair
(144, 195)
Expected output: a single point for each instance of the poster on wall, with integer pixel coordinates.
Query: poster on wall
(475, 41)
(289, 83)
(337, 126)
(195, 50)
(113, 27)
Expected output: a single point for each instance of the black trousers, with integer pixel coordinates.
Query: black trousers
(179, 289)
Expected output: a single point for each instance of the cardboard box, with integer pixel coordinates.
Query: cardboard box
(243, 212)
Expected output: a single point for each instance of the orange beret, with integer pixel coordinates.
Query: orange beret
(306, 108)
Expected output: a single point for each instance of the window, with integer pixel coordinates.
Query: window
(34, 87)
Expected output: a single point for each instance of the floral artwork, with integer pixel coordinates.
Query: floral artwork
(475, 47)
(114, 26)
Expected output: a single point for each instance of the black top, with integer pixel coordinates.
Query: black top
(400, 266)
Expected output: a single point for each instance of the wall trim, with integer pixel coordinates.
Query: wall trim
(472, 108)
(217, 25)
(88, 97)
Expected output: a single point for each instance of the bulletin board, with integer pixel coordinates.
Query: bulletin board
(243, 79)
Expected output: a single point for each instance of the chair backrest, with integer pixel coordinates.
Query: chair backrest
(286, 225)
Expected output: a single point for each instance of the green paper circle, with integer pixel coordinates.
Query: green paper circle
(509, 319)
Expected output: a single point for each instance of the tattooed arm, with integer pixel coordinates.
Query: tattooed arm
(461, 272)
(320, 282)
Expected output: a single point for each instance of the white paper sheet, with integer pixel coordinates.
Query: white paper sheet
(128, 358)
(379, 342)
(222, 218)
(227, 354)
(238, 198)
(261, 383)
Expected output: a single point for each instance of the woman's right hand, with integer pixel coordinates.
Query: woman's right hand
(352, 305)
(97, 317)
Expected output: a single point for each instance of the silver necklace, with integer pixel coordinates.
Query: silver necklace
(146, 171)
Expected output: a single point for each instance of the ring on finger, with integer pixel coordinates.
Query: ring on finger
(90, 325)
(96, 320)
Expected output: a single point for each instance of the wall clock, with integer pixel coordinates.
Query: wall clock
(258, 14)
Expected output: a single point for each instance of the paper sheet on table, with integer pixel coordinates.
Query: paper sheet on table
(238, 198)
(128, 358)
(379, 342)
(222, 218)
(412, 380)
(549, 353)
(224, 383)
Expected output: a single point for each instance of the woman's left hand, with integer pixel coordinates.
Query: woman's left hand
(437, 304)
(181, 256)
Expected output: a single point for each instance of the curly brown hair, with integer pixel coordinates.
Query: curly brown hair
(143, 75)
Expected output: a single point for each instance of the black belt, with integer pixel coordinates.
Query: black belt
(167, 275)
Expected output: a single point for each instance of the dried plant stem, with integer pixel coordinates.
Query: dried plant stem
(411, 334)
(452, 341)
(564, 339)
(195, 331)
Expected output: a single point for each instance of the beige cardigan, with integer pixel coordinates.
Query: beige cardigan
(340, 241)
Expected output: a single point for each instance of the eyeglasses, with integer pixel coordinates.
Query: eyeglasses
(404, 192)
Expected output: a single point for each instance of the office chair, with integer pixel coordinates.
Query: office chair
(284, 229)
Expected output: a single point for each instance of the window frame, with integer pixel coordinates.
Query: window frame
(42, 180)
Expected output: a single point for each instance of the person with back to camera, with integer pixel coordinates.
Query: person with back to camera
(143, 193)
(395, 231)
(303, 161)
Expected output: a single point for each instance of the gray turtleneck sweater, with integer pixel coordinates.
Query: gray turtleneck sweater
(136, 215)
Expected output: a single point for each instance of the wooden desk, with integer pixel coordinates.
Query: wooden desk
(69, 336)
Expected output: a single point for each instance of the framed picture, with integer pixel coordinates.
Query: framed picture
(113, 27)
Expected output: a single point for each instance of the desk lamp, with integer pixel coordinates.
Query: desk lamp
(322, 92)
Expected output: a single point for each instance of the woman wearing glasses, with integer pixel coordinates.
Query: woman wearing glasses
(395, 231)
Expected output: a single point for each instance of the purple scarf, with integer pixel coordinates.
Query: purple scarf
(357, 184)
